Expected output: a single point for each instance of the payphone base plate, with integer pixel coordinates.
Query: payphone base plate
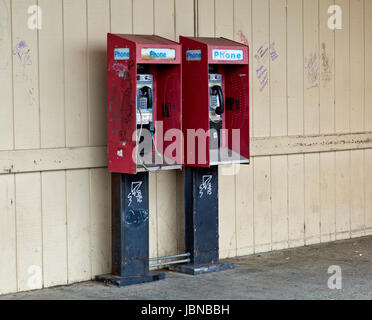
(200, 269)
(127, 281)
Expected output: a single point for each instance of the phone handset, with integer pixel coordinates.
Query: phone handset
(217, 90)
(146, 92)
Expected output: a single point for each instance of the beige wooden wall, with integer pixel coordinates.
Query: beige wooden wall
(310, 180)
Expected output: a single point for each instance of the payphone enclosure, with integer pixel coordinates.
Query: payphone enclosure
(216, 101)
(144, 103)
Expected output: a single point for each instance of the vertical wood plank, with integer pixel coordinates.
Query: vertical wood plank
(279, 202)
(357, 77)
(184, 18)
(244, 211)
(6, 83)
(295, 68)
(224, 15)
(180, 205)
(227, 211)
(327, 123)
(368, 112)
(25, 78)
(342, 120)
(76, 80)
(278, 68)
(121, 16)
(8, 258)
(29, 231)
(262, 204)
(244, 178)
(312, 199)
(52, 109)
(166, 188)
(143, 16)
(98, 26)
(54, 228)
(296, 218)
(368, 191)
(326, 70)
(343, 195)
(100, 221)
(368, 65)
(206, 26)
(164, 18)
(327, 196)
(357, 213)
(311, 52)
(153, 217)
(342, 71)
(357, 66)
(261, 68)
(78, 226)
(278, 125)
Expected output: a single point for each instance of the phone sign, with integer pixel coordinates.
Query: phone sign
(193, 55)
(121, 54)
(227, 55)
(158, 54)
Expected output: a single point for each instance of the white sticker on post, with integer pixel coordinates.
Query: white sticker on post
(121, 54)
(158, 54)
(227, 55)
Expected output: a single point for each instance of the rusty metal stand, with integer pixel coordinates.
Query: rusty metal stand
(201, 222)
(130, 231)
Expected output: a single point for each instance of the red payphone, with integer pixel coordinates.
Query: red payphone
(215, 101)
(144, 103)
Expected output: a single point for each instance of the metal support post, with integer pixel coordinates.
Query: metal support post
(130, 231)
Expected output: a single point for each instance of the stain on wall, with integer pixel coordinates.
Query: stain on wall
(312, 70)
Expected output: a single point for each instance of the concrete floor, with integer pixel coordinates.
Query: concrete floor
(299, 273)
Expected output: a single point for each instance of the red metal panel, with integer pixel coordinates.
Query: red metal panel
(235, 87)
(122, 93)
(195, 114)
(121, 114)
(237, 107)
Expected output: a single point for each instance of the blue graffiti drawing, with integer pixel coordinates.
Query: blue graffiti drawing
(22, 52)
(206, 185)
(135, 192)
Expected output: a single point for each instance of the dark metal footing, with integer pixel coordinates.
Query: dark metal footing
(194, 270)
(127, 281)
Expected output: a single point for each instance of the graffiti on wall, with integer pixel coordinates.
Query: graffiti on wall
(326, 67)
(312, 70)
(22, 53)
(263, 55)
